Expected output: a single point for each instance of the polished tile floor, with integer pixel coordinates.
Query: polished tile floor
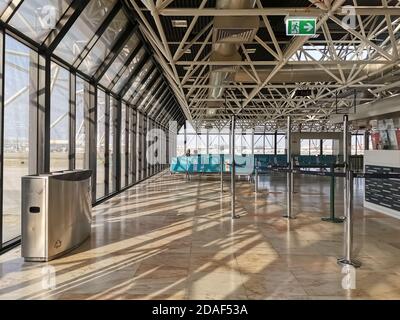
(172, 239)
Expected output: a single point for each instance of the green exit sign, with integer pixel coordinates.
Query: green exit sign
(301, 26)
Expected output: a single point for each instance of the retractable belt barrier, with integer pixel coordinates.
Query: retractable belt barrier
(341, 174)
(349, 176)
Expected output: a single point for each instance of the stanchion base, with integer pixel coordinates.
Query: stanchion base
(333, 220)
(289, 217)
(345, 262)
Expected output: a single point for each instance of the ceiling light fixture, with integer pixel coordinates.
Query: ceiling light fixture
(179, 23)
(251, 50)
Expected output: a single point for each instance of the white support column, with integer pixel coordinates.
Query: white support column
(289, 176)
(252, 141)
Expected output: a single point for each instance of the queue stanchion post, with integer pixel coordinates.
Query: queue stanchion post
(222, 173)
(349, 176)
(289, 191)
(332, 192)
(256, 180)
(233, 190)
(348, 260)
(233, 170)
(187, 168)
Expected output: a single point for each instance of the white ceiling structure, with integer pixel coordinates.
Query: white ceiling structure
(233, 57)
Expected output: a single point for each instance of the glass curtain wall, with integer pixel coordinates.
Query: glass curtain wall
(261, 143)
(313, 147)
(219, 142)
(62, 62)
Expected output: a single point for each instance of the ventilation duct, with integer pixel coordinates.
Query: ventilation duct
(228, 34)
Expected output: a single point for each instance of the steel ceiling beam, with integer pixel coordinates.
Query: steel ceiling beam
(302, 11)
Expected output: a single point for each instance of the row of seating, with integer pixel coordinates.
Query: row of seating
(245, 164)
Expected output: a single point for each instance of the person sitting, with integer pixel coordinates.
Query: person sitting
(188, 153)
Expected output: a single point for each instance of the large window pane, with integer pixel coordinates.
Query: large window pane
(143, 89)
(238, 144)
(124, 128)
(80, 124)
(191, 143)
(310, 147)
(104, 45)
(16, 134)
(330, 147)
(315, 147)
(201, 145)
(84, 29)
(112, 132)
(180, 145)
(119, 62)
(131, 68)
(37, 18)
(59, 115)
(281, 144)
(304, 147)
(101, 139)
(327, 147)
(146, 100)
(3, 5)
(357, 144)
(224, 144)
(138, 79)
(269, 144)
(213, 143)
(258, 144)
(132, 154)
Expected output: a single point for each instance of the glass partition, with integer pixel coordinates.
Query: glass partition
(357, 144)
(80, 126)
(59, 118)
(16, 134)
(101, 144)
(111, 146)
(124, 135)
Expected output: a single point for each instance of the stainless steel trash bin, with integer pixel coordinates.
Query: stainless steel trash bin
(56, 213)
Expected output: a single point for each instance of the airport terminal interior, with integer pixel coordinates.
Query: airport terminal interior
(200, 149)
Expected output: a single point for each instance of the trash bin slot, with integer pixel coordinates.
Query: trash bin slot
(34, 209)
